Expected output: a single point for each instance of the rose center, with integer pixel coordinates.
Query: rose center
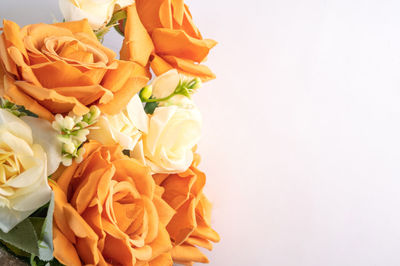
(10, 167)
(72, 50)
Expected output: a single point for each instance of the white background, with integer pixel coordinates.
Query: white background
(302, 138)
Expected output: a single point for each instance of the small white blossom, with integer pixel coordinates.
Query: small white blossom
(73, 131)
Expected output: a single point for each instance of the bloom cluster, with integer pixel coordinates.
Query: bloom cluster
(72, 132)
(97, 156)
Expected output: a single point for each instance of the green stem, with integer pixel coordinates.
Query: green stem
(159, 99)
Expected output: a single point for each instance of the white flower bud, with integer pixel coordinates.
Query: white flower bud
(68, 123)
(69, 147)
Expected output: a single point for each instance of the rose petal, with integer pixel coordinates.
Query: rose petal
(44, 135)
(137, 114)
(137, 45)
(16, 126)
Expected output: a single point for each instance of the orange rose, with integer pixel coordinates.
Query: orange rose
(109, 211)
(62, 67)
(177, 41)
(190, 226)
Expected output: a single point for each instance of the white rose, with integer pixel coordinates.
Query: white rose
(29, 153)
(174, 130)
(124, 128)
(98, 12)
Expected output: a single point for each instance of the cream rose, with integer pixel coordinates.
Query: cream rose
(125, 128)
(173, 132)
(98, 12)
(29, 152)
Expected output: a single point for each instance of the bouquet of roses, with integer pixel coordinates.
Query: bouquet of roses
(97, 154)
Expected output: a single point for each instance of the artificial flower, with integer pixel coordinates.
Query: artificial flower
(29, 153)
(72, 133)
(190, 227)
(173, 132)
(137, 45)
(98, 12)
(168, 88)
(62, 67)
(124, 128)
(177, 41)
(109, 211)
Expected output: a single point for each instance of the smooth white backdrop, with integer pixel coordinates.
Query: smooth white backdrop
(301, 139)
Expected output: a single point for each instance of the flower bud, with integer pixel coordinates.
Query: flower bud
(146, 93)
(69, 147)
(68, 123)
(196, 83)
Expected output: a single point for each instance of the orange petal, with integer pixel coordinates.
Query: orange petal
(188, 253)
(183, 223)
(54, 102)
(178, 10)
(12, 33)
(153, 221)
(123, 96)
(177, 189)
(159, 65)
(77, 27)
(60, 74)
(204, 231)
(115, 79)
(9, 65)
(64, 250)
(137, 45)
(26, 71)
(116, 246)
(200, 242)
(162, 243)
(60, 200)
(188, 26)
(86, 94)
(190, 68)
(96, 44)
(180, 44)
(86, 190)
(165, 212)
(86, 238)
(138, 173)
(17, 96)
(162, 260)
(2, 77)
(39, 32)
(149, 13)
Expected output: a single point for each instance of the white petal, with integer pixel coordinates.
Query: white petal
(98, 13)
(10, 218)
(102, 132)
(6, 191)
(137, 114)
(44, 135)
(15, 125)
(165, 84)
(32, 175)
(123, 3)
(158, 121)
(34, 200)
(138, 153)
(18, 145)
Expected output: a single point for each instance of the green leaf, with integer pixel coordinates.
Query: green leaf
(45, 242)
(119, 15)
(150, 107)
(23, 236)
(35, 261)
(34, 235)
